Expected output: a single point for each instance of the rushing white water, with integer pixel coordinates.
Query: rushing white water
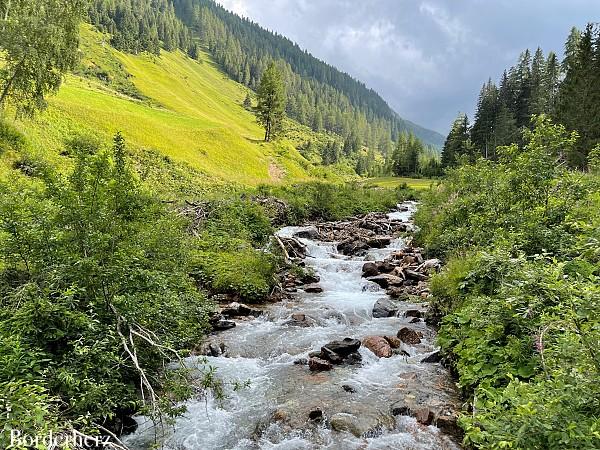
(263, 351)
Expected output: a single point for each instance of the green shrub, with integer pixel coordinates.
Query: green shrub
(87, 260)
(519, 300)
(247, 272)
(11, 139)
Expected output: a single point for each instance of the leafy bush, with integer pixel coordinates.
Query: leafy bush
(247, 272)
(518, 302)
(328, 201)
(10, 138)
(93, 270)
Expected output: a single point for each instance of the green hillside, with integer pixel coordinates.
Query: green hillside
(187, 110)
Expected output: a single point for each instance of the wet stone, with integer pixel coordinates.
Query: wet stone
(410, 336)
(319, 365)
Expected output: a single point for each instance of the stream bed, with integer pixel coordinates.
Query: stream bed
(273, 411)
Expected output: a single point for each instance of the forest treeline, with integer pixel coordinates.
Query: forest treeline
(318, 95)
(568, 91)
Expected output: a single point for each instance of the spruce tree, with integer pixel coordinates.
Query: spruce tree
(457, 143)
(270, 110)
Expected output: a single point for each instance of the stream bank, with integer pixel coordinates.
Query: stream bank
(345, 361)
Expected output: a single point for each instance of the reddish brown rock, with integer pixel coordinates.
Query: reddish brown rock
(393, 341)
(410, 336)
(378, 345)
(424, 416)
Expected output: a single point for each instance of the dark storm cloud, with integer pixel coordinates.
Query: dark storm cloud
(427, 58)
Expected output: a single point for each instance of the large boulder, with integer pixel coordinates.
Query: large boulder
(410, 336)
(385, 266)
(378, 345)
(435, 357)
(385, 280)
(384, 308)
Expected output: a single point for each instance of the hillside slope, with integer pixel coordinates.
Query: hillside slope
(187, 110)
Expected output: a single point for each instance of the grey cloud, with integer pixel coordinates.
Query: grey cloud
(427, 58)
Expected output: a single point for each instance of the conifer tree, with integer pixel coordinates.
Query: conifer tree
(270, 110)
(457, 143)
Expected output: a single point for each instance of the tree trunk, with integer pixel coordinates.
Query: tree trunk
(7, 9)
(9, 84)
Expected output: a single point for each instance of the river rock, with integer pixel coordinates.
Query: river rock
(370, 269)
(431, 265)
(378, 345)
(236, 309)
(331, 356)
(313, 288)
(393, 341)
(385, 280)
(219, 323)
(413, 313)
(344, 347)
(414, 275)
(397, 292)
(414, 320)
(348, 388)
(346, 422)
(318, 364)
(435, 357)
(424, 416)
(353, 246)
(385, 267)
(316, 414)
(309, 278)
(352, 359)
(448, 424)
(280, 415)
(384, 308)
(301, 362)
(410, 336)
(310, 233)
(379, 242)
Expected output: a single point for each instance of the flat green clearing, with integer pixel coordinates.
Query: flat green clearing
(392, 182)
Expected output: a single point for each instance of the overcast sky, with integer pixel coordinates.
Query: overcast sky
(427, 58)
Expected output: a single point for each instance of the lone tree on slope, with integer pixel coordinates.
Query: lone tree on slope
(270, 110)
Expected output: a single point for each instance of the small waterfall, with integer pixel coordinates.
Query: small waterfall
(263, 351)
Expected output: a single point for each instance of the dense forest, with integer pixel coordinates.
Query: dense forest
(567, 91)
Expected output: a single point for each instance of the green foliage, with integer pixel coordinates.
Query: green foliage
(518, 301)
(327, 201)
(86, 259)
(141, 25)
(246, 272)
(38, 46)
(11, 139)
(230, 258)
